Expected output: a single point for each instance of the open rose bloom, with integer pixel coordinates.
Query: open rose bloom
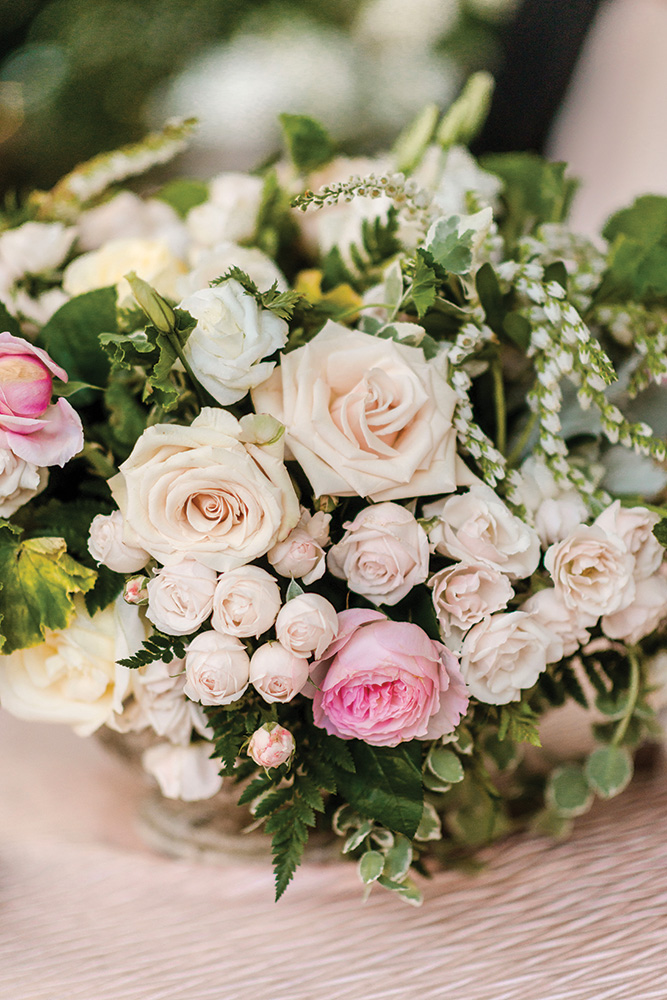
(356, 494)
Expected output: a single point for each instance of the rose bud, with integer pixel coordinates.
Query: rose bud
(276, 674)
(135, 591)
(25, 385)
(271, 745)
(106, 545)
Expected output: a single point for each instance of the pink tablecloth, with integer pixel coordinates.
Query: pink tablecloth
(87, 913)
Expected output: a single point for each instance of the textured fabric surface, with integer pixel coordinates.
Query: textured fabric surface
(86, 913)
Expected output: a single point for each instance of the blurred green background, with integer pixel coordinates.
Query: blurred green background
(81, 76)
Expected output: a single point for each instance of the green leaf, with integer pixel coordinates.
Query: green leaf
(556, 272)
(308, 143)
(370, 866)
(406, 890)
(387, 784)
(568, 791)
(638, 258)
(517, 329)
(9, 323)
(398, 860)
(466, 116)
(536, 190)
(39, 580)
(424, 283)
(548, 823)
(72, 338)
(490, 296)
(505, 754)
(445, 765)
(449, 249)
(412, 142)
(613, 705)
(294, 590)
(183, 194)
(608, 770)
(660, 531)
(430, 827)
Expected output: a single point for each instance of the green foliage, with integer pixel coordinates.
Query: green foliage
(379, 238)
(466, 116)
(282, 304)
(72, 337)
(39, 580)
(660, 531)
(451, 250)
(308, 143)
(183, 194)
(8, 323)
(412, 142)
(275, 228)
(518, 722)
(371, 864)
(608, 770)
(637, 264)
(158, 646)
(386, 785)
(445, 764)
(568, 792)
(424, 285)
(535, 191)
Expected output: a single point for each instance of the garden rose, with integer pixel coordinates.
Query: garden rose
(127, 216)
(466, 593)
(246, 602)
(477, 527)
(19, 482)
(217, 669)
(276, 673)
(592, 571)
(366, 416)
(184, 772)
(152, 260)
(643, 615)
(106, 545)
(34, 247)
(230, 213)
(271, 745)
(307, 624)
(231, 337)
(211, 264)
(72, 677)
(505, 654)
(382, 555)
(634, 526)
(212, 491)
(180, 598)
(31, 427)
(158, 702)
(556, 510)
(301, 554)
(569, 624)
(385, 682)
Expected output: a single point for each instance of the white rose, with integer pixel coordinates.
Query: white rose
(246, 602)
(212, 264)
(217, 669)
(556, 509)
(382, 555)
(366, 416)
(276, 674)
(643, 615)
(461, 175)
(20, 481)
(477, 527)
(127, 216)
(634, 526)
(301, 555)
(569, 624)
(106, 545)
(180, 598)
(307, 624)
(211, 491)
(158, 702)
(505, 654)
(151, 260)
(183, 772)
(34, 247)
(38, 309)
(592, 571)
(230, 212)
(466, 593)
(72, 677)
(231, 337)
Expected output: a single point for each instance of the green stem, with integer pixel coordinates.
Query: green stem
(198, 389)
(517, 450)
(499, 400)
(633, 692)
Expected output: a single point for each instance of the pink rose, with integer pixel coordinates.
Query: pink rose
(276, 673)
(307, 624)
(569, 624)
(271, 745)
(301, 554)
(592, 571)
(107, 547)
(466, 593)
(385, 682)
(30, 426)
(641, 617)
(382, 555)
(634, 526)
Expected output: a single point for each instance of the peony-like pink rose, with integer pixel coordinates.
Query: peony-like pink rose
(180, 598)
(217, 669)
(276, 674)
(385, 682)
(592, 571)
(301, 554)
(246, 602)
(366, 416)
(466, 593)
(307, 624)
(634, 526)
(106, 545)
(382, 555)
(30, 426)
(271, 745)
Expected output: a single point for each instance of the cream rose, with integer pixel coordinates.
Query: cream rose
(211, 491)
(158, 703)
(34, 247)
(505, 654)
(466, 593)
(477, 527)
(72, 677)
(276, 674)
(307, 624)
(246, 602)
(555, 510)
(106, 545)
(382, 555)
(634, 526)
(643, 615)
(301, 554)
(217, 669)
(20, 481)
(151, 260)
(184, 772)
(180, 598)
(569, 624)
(211, 264)
(230, 213)
(232, 335)
(592, 571)
(366, 416)
(127, 216)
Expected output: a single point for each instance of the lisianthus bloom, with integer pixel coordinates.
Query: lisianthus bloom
(385, 682)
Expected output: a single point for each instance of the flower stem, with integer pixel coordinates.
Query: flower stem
(633, 693)
(499, 401)
(516, 451)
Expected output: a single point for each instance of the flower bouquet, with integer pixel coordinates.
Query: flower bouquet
(333, 479)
